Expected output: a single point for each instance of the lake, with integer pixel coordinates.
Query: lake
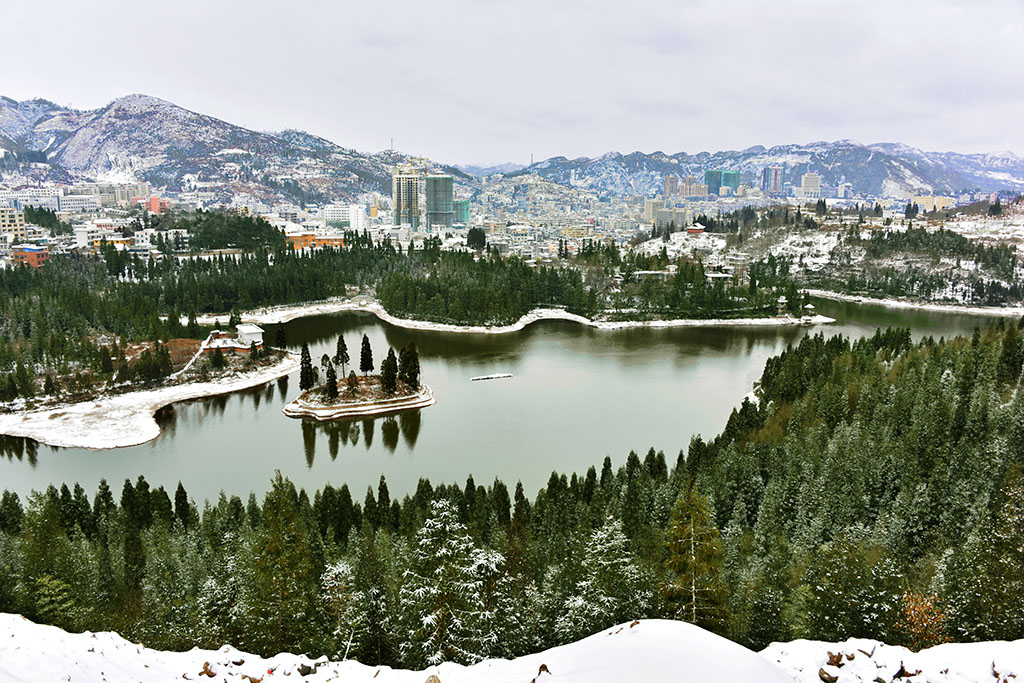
(576, 395)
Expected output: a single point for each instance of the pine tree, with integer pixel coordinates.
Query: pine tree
(182, 507)
(373, 578)
(389, 373)
(694, 591)
(409, 366)
(353, 382)
(341, 354)
(365, 357)
(345, 605)
(283, 571)
(440, 598)
(611, 588)
(306, 377)
(332, 382)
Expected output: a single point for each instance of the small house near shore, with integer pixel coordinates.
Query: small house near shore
(242, 342)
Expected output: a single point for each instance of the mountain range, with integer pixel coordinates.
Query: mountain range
(887, 169)
(139, 137)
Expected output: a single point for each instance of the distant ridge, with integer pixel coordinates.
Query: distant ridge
(139, 137)
(888, 169)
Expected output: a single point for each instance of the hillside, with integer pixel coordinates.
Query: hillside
(139, 137)
(879, 169)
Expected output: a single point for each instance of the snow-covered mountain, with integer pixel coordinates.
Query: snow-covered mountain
(881, 169)
(480, 171)
(139, 137)
(649, 651)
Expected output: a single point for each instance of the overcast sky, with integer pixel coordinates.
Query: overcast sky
(488, 81)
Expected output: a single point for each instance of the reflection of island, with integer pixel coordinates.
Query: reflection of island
(350, 432)
(18, 448)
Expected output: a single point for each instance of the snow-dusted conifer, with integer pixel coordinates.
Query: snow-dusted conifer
(345, 605)
(441, 594)
(612, 588)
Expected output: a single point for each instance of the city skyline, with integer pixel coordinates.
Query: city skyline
(524, 79)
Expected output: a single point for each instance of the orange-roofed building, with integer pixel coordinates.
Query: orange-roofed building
(31, 255)
(301, 240)
(329, 241)
(153, 204)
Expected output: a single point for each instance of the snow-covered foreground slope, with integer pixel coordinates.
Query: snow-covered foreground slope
(859, 660)
(649, 650)
(644, 651)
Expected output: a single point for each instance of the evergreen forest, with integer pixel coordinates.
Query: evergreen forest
(875, 488)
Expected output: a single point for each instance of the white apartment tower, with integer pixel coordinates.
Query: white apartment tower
(405, 194)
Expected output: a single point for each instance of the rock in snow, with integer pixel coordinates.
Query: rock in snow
(859, 660)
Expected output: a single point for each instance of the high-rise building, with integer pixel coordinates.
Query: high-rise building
(731, 179)
(405, 194)
(810, 183)
(461, 210)
(713, 179)
(692, 188)
(651, 207)
(671, 185)
(773, 179)
(440, 201)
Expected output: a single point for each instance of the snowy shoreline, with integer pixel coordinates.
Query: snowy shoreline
(933, 307)
(283, 314)
(126, 419)
(423, 398)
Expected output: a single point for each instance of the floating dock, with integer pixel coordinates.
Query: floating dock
(500, 375)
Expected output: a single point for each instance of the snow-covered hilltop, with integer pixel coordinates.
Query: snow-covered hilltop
(138, 137)
(649, 651)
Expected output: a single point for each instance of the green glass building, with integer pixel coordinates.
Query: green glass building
(440, 202)
(713, 179)
(461, 210)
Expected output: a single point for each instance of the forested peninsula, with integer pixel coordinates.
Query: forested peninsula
(65, 324)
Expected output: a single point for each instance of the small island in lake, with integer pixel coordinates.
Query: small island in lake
(395, 389)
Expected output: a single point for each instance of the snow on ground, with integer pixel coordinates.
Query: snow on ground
(814, 248)
(859, 660)
(282, 314)
(682, 244)
(898, 303)
(650, 651)
(126, 419)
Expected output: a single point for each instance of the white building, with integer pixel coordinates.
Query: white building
(78, 203)
(810, 185)
(353, 214)
(248, 334)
